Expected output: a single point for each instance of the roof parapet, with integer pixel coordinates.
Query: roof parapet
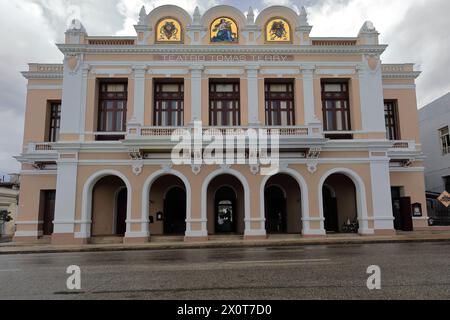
(76, 33)
(400, 71)
(368, 34)
(44, 71)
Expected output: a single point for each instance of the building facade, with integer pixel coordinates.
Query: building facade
(97, 157)
(434, 130)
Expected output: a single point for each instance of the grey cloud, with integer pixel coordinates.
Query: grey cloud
(423, 37)
(100, 17)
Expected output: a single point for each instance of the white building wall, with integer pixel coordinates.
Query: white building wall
(433, 117)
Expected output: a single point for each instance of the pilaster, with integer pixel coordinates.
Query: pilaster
(196, 93)
(139, 94)
(66, 192)
(381, 192)
(308, 94)
(253, 95)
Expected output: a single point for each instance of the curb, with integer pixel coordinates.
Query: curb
(219, 245)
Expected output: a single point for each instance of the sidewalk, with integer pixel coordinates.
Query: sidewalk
(5, 239)
(274, 241)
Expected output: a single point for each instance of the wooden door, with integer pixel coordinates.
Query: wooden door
(406, 220)
(49, 212)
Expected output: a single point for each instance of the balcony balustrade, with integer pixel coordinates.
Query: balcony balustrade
(144, 132)
(41, 147)
(404, 146)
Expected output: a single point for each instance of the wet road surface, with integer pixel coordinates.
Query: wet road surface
(408, 271)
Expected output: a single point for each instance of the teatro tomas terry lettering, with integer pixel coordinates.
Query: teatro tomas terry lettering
(224, 58)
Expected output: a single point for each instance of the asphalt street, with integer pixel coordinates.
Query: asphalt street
(408, 271)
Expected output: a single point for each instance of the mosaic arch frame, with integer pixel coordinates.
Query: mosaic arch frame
(278, 30)
(169, 30)
(224, 30)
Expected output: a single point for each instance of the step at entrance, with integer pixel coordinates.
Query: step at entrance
(284, 236)
(162, 239)
(225, 237)
(106, 240)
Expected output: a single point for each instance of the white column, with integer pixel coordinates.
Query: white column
(66, 191)
(83, 102)
(253, 95)
(308, 94)
(139, 94)
(73, 96)
(307, 231)
(381, 192)
(371, 96)
(196, 93)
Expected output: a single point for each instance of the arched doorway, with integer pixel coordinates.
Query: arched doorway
(167, 206)
(225, 210)
(276, 217)
(109, 207)
(175, 211)
(225, 205)
(339, 203)
(283, 205)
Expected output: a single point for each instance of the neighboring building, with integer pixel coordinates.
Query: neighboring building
(435, 136)
(97, 147)
(9, 201)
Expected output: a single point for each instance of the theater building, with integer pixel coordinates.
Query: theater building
(96, 159)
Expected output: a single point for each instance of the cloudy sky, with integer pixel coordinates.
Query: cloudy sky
(416, 31)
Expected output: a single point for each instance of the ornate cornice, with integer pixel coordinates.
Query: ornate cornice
(402, 75)
(39, 75)
(44, 71)
(202, 49)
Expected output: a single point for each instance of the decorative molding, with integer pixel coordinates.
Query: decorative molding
(168, 72)
(225, 167)
(205, 49)
(399, 86)
(39, 75)
(401, 75)
(280, 71)
(112, 72)
(336, 72)
(254, 169)
(27, 223)
(135, 154)
(406, 169)
(224, 71)
(167, 167)
(137, 167)
(314, 153)
(44, 87)
(313, 159)
(312, 166)
(38, 173)
(73, 62)
(196, 169)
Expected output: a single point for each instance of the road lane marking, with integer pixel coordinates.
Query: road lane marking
(10, 270)
(281, 261)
